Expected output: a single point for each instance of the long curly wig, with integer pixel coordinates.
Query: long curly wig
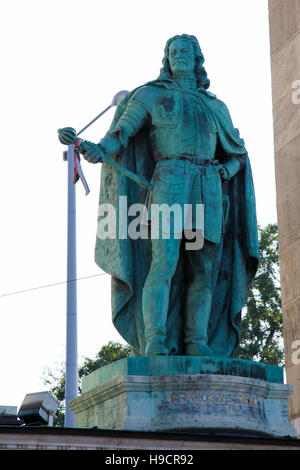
(200, 72)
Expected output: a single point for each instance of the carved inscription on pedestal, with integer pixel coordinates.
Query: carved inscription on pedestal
(217, 403)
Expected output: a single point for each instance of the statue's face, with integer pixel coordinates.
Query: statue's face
(181, 56)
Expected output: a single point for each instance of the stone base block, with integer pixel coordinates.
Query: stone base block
(190, 402)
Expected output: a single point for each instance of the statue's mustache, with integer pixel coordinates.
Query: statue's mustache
(181, 61)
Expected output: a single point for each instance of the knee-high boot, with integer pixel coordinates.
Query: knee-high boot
(156, 293)
(197, 314)
(155, 311)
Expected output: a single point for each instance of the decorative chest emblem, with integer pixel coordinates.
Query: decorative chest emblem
(166, 110)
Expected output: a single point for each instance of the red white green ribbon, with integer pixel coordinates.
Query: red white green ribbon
(78, 173)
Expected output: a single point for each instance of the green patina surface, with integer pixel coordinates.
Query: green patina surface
(168, 297)
(179, 365)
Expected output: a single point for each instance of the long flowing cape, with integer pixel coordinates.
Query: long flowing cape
(128, 261)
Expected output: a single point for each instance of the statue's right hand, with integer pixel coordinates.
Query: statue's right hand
(67, 135)
(91, 152)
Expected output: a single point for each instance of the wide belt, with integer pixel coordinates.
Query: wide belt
(196, 160)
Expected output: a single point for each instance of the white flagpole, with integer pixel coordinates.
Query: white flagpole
(71, 385)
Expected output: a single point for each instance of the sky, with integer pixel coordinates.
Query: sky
(62, 63)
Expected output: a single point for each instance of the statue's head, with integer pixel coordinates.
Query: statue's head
(183, 53)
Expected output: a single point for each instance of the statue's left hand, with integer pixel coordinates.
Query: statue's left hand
(222, 170)
(223, 173)
(67, 135)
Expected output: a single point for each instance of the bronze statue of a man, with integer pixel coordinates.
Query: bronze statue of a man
(168, 300)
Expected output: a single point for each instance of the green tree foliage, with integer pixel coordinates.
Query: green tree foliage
(110, 353)
(261, 331)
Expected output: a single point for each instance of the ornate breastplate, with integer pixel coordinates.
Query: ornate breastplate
(181, 125)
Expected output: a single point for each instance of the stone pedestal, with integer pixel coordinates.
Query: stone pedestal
(193, 394)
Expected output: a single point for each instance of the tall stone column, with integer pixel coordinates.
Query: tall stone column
(284, 20)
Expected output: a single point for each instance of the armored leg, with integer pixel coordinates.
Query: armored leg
(198, 301)
(156, 292)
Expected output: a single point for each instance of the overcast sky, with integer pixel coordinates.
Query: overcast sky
(62, 62)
